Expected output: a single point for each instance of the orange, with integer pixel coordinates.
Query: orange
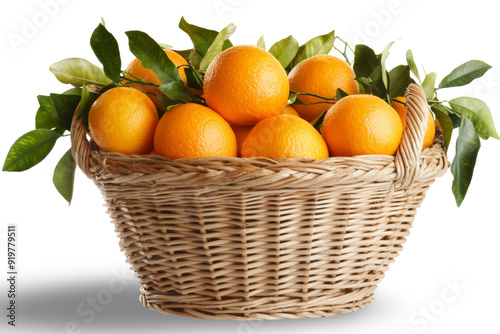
(242, 131)
(136, 69)
(321, 75)
(246, 84)
(284, 136)
(431, 126)
(362, 124)
(123, 119)
(191, 130)
(289, 110)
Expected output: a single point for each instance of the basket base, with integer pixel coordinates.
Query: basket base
(318, 308)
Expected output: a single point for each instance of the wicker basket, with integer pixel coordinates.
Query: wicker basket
(232, 238)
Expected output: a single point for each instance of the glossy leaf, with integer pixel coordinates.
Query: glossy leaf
(429, 85)
(399, 80)
(30, 149)
(411, 63)
(462, 168)
(285, 50)
(365, 61)
(464, 74)
(76, 71)
(46, 116)
(478, 112)
(106, 49)
(64, 176)
(177, 91)
(445, 122)
(65, 106)
(318, 45)
(217, 46)
(202, 38)
(261, 43)
(385, 75)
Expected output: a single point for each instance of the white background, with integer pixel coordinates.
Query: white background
(68, 254)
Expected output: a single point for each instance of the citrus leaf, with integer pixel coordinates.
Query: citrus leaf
(399, 80)
(177, 91)
(385, 76)
(478, 112)
(429, 85)
(318, 45)
(46, 116)
(165, 46)
(76, 71)
(217, 46)
(411, 63)
(73, 91)
(445, 122)
(30, 149)
(152, 56)
(261, 43)
(462, 168)
(365, 61)
(88, 98)
(106, 50)
(340, 94)
(65, 106)
(285, 50)
(64, 176)
(202, 38)
(318, 122)
(194, 80)
(464, 74)
(365, 86)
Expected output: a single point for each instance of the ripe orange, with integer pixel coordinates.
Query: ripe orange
(246, 84)
(431, 126)
(362, 124)
(322, 75)
(124, 120)
(136, 69)
(191, 130)
(242, 131)
(284, 136)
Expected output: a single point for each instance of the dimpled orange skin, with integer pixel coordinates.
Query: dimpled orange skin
(430, 130)
(124, 120)
(322, 75)
(284, 136)
(246, 84)
(136, 69)
(242, 131)
(191, 130)
(362, 124)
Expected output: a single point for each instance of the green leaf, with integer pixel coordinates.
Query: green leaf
(88, 98)
(340, 94)
(399, 80)
(318, 45)
(165, 46)
(65, 106)
(445, 122)
(365, 61)
(177, 91)
(365, 85)
(46, 116)
(464, 74)
(217, 46)
(462, 168)
(106, 50)
(30, 149)
(429, 85)
(152, 56)
(411, 63)
(285, 50)
(478, 112)
(202, 38)
(76, 71)
(318, 122)
(73, 91)
(194, 79)
(261, 43)
(385, 78)
(64, 176)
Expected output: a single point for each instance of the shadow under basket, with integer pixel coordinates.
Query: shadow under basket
(234, 238)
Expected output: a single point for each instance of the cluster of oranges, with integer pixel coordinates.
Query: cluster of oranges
(246, 92)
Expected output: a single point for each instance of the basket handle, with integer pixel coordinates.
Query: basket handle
(407, 161)
(80, 146)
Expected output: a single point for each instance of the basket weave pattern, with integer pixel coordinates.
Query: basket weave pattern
(233, 238)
